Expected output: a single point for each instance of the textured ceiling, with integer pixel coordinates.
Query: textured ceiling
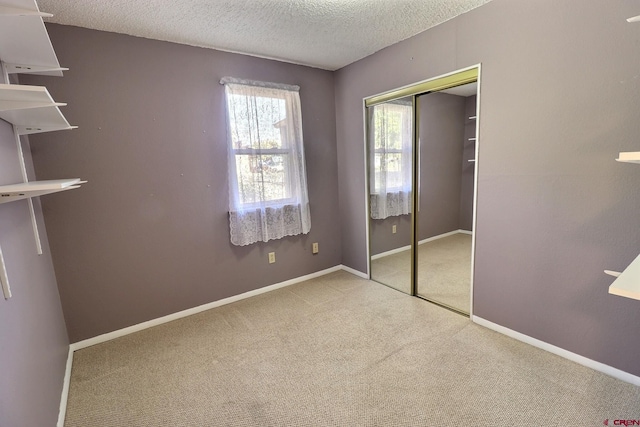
(326, 34)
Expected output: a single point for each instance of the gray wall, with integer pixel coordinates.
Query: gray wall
(149, 235)
(33, 339)
(382, 238)
(441, 142)
(559, 100)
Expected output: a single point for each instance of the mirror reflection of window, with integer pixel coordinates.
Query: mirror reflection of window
(390, 162)
(390, 147)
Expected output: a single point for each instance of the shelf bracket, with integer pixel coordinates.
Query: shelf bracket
(22, 105)
(612, 273)
(4, 279)
(5, 72)
(25, 178)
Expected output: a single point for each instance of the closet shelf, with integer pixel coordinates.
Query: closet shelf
(25, 46)
(629, 157)
(628, 283)
(13, 192)
(31, 109)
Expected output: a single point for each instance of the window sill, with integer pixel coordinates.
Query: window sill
(249, 208)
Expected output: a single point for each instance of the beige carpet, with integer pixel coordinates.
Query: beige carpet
(335, 351)
(444, 271)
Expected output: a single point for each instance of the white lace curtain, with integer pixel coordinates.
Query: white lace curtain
(390, 159)
(268, 196)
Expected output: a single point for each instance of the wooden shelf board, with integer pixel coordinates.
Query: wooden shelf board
(23, 93)
(6, 198)
(29, 130)
(50, 184)
(13, 192)
(629, 157)
(32, 69)
(31, 109)
(628, 283)
(24, 39)
(8, 10)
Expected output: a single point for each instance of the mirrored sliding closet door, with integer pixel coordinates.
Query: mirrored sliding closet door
(446, 189)
(390, 150)
(422, 159)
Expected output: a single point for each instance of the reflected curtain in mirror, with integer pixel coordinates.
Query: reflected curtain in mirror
(390, 159)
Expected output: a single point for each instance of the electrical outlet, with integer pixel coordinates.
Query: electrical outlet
(394, 229)
(314, 248)
(272, 257)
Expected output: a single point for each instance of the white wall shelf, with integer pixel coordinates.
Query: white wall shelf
(629, 157)
(25, 46)
(31, 109)
(628, 283)
(7, 10)
(11, 193)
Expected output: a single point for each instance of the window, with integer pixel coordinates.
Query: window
(390, 159)
(267, 179)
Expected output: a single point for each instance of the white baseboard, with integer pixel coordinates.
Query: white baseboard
(184, 313)
(154, 322)
(597, 366)
(354, 272)
(421, 242)
(391, 252)
(440, 236)
(65, 390)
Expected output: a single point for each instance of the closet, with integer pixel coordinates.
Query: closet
(422, 167)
